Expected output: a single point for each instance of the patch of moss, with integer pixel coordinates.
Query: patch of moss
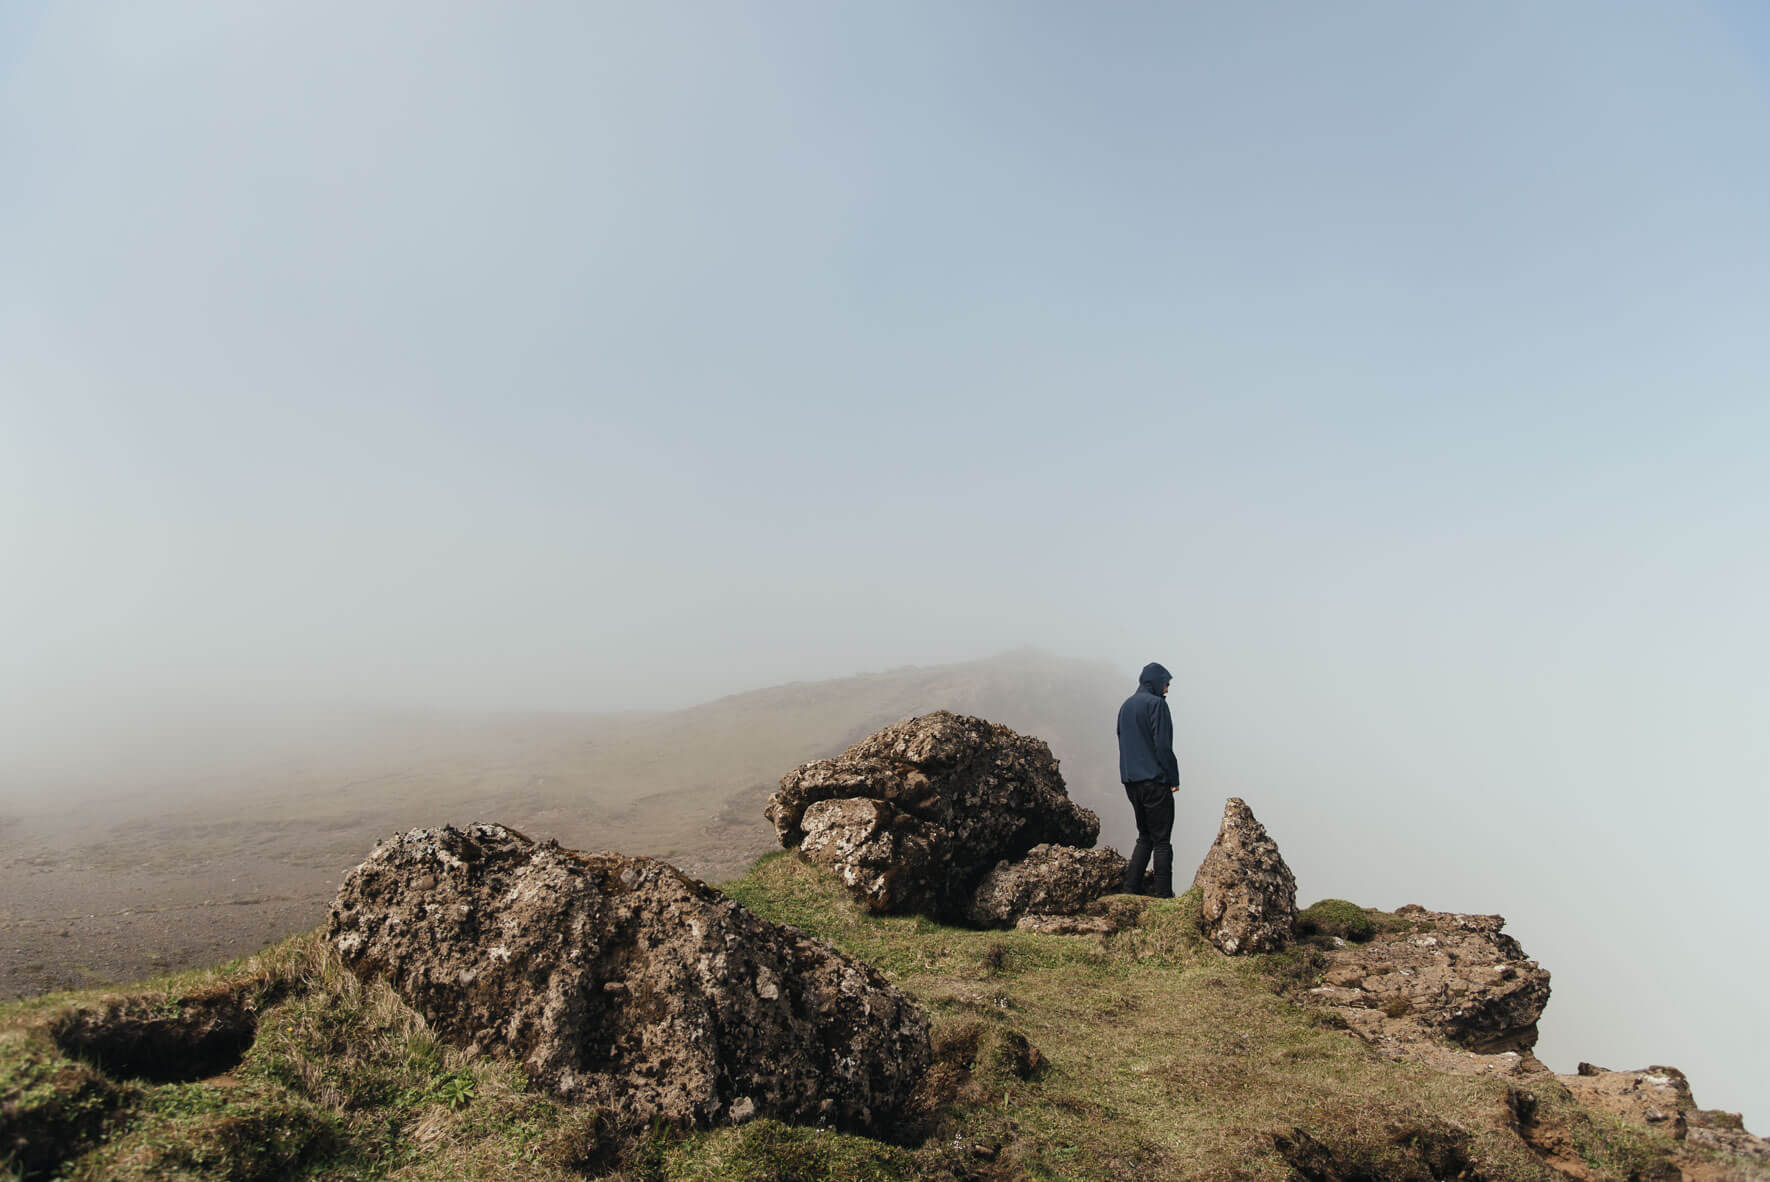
(1336, 917)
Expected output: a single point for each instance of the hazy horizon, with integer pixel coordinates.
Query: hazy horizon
(1396, 375)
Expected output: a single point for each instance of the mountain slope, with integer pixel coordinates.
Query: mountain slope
(218, 860)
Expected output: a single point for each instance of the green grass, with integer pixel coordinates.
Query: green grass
(1146, 1053)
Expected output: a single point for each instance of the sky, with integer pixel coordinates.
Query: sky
(1396, 374)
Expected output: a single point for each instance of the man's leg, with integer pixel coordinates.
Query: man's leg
(1133, 883)
(1158, 808)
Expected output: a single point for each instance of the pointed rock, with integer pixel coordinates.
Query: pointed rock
(1250, 895)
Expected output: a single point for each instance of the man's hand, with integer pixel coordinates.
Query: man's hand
(1175, 788)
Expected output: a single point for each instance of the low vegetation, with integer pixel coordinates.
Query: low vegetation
(1146, 1053)
(1336, 918)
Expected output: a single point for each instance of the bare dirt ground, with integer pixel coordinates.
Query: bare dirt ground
(110, 880)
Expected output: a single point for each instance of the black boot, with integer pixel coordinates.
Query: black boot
(1133, 883)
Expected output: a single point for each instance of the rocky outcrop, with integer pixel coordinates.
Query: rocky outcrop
(1445, 977)
(1052, 880)
(622, 983)
(1249, 894)
(1657, 1097)
(914, 816)
(1705, 1145)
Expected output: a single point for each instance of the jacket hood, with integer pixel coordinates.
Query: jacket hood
(1153, 678)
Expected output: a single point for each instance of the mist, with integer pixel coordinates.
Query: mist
(1395, 376)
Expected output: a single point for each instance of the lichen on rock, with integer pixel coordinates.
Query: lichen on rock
(1249, 893)
(620, 982)
(1052, 880)
(914, 816)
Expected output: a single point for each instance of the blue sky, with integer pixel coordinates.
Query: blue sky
(1395, 373)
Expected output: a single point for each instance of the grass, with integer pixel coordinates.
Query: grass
(1145, 1053)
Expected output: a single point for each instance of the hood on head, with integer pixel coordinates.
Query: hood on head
(1153, 678)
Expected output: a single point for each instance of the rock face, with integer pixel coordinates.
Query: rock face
(1452, 978)
(1656, 1098)
(1052, 880)
(913, 817)
(1250, 895)
(621, 982)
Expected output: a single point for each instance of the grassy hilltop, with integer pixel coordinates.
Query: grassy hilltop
(1143, 1054)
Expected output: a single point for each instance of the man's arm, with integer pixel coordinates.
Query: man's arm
(1164, 745)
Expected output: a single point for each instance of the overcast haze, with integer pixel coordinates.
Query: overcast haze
(1396, 374)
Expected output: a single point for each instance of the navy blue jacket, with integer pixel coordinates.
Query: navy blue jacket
(1146, 732)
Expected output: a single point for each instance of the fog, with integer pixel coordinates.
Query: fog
(1394, 374)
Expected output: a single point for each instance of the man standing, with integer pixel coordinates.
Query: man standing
(1151, 777)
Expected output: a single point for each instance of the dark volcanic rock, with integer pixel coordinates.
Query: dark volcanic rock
(1454, 978)
(913, 817)
(1250, 895)
(1052, 880)
(623, 983)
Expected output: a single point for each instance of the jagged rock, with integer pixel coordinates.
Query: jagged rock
(1723, 1136)
(1250, 895)
(1451, 978)
(914, 816)
(1656, 1097)
(1052, 880)
(623, 983)
(883, 856)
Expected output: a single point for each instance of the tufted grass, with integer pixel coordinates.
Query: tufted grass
(1156, 1057)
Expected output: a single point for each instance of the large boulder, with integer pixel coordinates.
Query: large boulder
(913, 817)
(623, 983)
(1052, 880)
(1250, 895)
(1443, 978)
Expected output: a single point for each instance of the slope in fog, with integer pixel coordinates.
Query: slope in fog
(236, 834)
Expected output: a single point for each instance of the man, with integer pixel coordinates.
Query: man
(1151, 776)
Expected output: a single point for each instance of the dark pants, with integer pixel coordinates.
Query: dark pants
(1154, 805)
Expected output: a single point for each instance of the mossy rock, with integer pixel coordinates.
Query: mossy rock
(1336, 917)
